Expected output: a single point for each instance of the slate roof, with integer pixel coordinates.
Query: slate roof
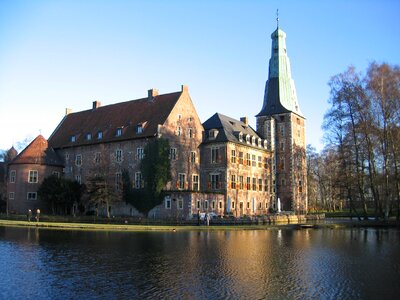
(38, 153)
(228, 129)
(107, 119)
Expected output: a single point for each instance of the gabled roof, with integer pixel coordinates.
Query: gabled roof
(228, 129)
(126, 116)
(38, 153)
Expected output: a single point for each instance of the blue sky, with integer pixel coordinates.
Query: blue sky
(59, 54)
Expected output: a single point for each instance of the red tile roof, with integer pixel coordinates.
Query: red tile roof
(38, 152)
(107, 119)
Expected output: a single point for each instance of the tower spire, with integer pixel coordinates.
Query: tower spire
(277, 18)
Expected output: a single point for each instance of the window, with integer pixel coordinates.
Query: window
(253, 161)
(241, 158)
(179, 131)
(212, 134)
(181, 181)
(195, 183)
(99, 135)
(233, 204)
(11, 196)
(248, 205)
(248, 158)
(265, 163)
(259, 162)
(97, 157)
(193, 157)
(198, 204)
(31, 196)
(78, 160)
(179, 204)
(172, 153)
(139, 153)
(300, 187)
(215, 181)
(33, 176)
(138, 180)
(88, 136)
(266, 185)
(248, 139)
(282, 129)
(167, 202)
(260, 184)
(190, 133)
(248, 183)
(259, 142)
(119, 131)
(118, 181)
(139, 128)
(78, 178)
(241, 182)
(56, 174)
(233, 156)
(13, 176)
(233, 181)
(220, 204)
(254, 184)
(73, 138)
(253, 140)
(213, 204)
(118, 155)
(205, 204)
(179, 116)
(214, 155)
(240, 137)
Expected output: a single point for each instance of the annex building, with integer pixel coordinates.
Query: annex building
(222, 166)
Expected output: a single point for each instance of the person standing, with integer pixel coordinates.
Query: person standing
(37, 215)
(29, 215)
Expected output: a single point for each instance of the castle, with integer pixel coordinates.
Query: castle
(222, 166)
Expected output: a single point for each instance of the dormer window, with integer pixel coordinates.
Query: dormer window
(253, 140)
(265, 144)
(99, 135)
(259, 142)
(119, 131)
(88, 136)
(73, 138)
(139, 128)
(212, 134)
(248, 139)
(240, 137)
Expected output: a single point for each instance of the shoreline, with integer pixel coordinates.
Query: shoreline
(340, 224)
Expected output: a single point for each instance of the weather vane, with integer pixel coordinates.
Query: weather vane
(277, 18)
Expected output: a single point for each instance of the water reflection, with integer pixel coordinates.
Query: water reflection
(250, 264)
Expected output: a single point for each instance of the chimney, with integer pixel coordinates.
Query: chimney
(245, 120)
(184, 88)
(68, 111)
(96, 104)
(152, 93)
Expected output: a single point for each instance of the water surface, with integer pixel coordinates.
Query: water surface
(248, 264)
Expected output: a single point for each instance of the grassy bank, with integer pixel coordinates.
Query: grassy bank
(174, 228)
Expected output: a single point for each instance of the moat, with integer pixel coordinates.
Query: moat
(245, 264)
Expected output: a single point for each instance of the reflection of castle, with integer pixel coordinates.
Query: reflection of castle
(222, 165)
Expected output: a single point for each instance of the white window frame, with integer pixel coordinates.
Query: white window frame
(13, 176)
(118, 132)
(181, 183)
(78, 160)
(31, 196)
(167, 202)
(193, 157)
(179, 204)
(118, 155)
(11, 195)
(214, 155)
(233, 156)
(195, 183)
(33, 176)
(139, 153)
(100, 135)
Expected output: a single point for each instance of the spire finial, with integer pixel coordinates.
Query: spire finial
(277, 18)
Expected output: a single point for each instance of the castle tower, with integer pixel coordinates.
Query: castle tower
(281, 122)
